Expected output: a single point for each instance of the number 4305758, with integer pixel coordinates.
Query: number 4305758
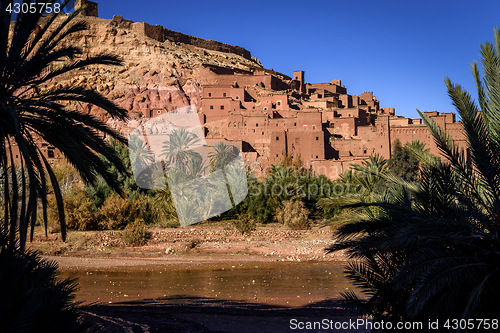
(41, 7)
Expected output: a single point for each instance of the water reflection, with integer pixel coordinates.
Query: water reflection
(280, 283)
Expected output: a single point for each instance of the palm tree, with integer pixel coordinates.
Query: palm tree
(434, 251)
(222, 155)
(31, 56)
(141, 156)
(221, 159)
(370, 172)
(142, 162)
(177, 149)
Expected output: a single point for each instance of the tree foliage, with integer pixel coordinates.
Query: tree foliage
(433, 252)
(403, 163)
(31, 55)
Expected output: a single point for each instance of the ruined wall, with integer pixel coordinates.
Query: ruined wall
(161, 34)
(333, 88)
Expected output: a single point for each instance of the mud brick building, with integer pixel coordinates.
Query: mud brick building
(271, 115)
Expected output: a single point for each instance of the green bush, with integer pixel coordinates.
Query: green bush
(136, 234)
(163, 205)
(148, 210)
(78, 211)
(294, 215)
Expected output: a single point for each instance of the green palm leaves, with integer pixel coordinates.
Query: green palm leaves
(434, 251)
(178, 152)
(199, 193)
(222, 155)
(32, 58)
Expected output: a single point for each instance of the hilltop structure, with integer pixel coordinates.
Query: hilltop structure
(269, 115)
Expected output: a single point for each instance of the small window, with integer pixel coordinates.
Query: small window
(265, 108)
(50, 153)
(316, 156)
(319, 96)
(223, 94)
(237, 97)
(222, 107)
(294, 124)
(159, 111)
(234, 125)
(256, 125)
(305, 127)
(276, 155)
(317, 138)
(278, 103)
(209, 94)
(17, 156)
(314, 127)
(211, 107)
(277, 138)
(364, 151)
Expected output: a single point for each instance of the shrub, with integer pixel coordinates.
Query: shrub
(148, 211)
(67, 177)
(78, 211)
(164, 207)
(191, 244)
(136, 234)
(244, 224)
(116, 212)
(294, 215)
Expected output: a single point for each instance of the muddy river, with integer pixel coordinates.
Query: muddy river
(274, 283)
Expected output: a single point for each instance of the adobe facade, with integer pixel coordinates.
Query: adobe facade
(271, 115)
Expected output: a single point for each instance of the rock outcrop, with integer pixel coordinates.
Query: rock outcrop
(160, 66)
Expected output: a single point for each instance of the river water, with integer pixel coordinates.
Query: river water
(273, 283)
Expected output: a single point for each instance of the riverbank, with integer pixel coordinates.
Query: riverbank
(190, 247)
(204, 278)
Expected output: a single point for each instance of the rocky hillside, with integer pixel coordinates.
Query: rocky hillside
(158, 73)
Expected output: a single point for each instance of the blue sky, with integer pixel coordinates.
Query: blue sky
(400, 50)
